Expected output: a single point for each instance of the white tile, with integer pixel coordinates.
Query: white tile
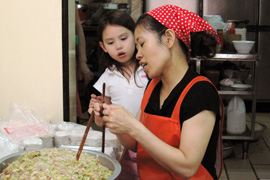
(241, 175)
(237, 164)
(259, 153)
(236, 168)
(262, 171)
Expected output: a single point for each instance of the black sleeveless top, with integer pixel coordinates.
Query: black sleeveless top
(201, 96)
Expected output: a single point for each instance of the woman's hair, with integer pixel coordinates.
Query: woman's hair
(202, 44)
(114, 17)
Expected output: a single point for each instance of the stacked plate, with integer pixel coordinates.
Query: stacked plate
(241, 87)
(242, 32)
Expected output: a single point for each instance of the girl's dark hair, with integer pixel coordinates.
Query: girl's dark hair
(202, 44)
(114, 17)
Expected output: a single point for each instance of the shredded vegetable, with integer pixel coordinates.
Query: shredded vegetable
(56, 164)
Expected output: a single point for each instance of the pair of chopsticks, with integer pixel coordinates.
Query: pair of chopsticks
(89, 125)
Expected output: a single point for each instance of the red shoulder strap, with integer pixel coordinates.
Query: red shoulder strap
(176, 111)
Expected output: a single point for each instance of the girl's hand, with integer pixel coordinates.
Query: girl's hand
(98, 118)
(94, 99)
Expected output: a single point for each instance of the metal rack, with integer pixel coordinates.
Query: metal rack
(248, 135)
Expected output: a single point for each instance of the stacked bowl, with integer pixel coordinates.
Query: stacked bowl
(242, 32)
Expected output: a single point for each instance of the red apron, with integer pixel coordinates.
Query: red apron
(170, 133)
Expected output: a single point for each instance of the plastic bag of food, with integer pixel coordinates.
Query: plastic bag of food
(216, 22)
(7, 146)
(229, 81)
(65, 126)
(76, 135)
(61, 138)
(22, 124)
(33, 143)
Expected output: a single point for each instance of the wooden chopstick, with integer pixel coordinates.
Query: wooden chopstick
(89, 125)
(85, 136)
(101, 114)
(103, 139)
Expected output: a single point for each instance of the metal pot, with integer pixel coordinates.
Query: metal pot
(107, 161)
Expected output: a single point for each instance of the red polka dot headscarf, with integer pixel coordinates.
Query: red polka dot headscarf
(182, 22)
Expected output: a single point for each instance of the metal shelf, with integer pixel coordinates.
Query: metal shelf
(244, 136)
(248, 93)
(248, 135)
(229, 57)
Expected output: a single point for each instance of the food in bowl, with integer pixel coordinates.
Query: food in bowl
(243, 47)
(56, 164)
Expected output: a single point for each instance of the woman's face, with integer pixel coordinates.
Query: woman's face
(118, 41)
(153, 55)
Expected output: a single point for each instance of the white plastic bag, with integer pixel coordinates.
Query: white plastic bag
(216, 22)
(61, 138)
(33, 144)
(7, 146)
(22, 124)
(65, 126)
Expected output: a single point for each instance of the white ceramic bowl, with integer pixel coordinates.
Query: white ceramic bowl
(243, 47)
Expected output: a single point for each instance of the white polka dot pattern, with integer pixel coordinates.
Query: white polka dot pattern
(182, 22)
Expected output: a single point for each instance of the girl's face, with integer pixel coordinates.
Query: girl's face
(119, 42)
(152, 53)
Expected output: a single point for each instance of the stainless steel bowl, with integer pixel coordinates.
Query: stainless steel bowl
(107, 161)
(258, 130)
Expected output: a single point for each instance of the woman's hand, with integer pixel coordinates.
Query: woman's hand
(120, 122)
(118, 119)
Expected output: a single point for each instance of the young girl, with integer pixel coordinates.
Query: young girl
(177, 132)
(125, 79)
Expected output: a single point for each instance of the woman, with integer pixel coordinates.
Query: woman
(177, 133)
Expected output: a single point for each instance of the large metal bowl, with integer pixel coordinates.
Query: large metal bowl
(106, 160)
